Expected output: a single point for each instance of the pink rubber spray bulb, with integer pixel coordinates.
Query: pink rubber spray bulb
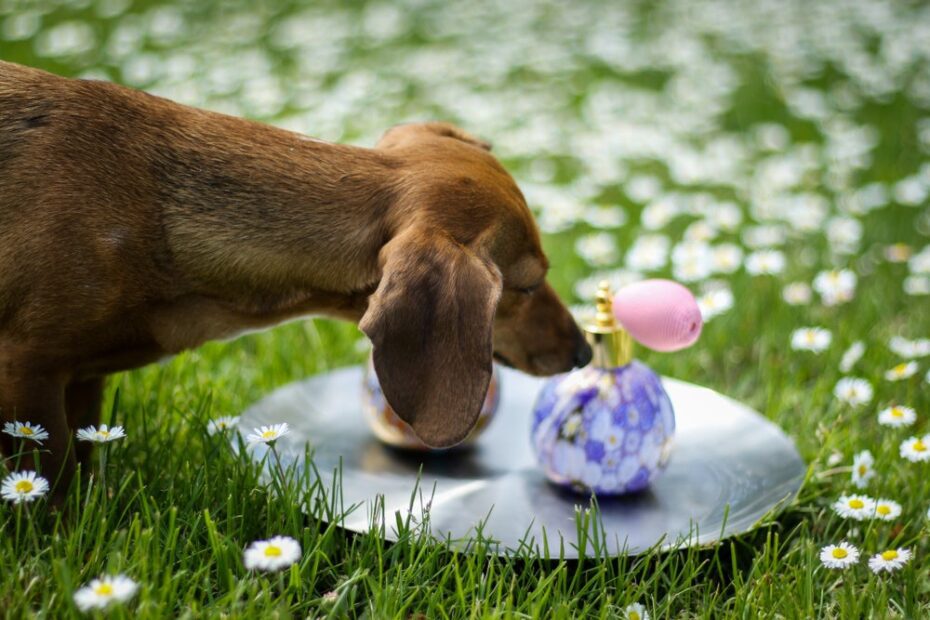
(660, 314)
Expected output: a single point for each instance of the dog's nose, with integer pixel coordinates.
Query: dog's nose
(583, 354)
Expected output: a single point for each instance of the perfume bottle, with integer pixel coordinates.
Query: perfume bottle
(391, 430)
(607, 428)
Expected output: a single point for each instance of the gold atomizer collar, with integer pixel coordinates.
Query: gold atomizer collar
(612, 346)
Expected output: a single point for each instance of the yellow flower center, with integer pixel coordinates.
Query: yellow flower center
(856, 504)
(25, 430)
(810, 337)
(883, 510)
(104, 589)
(103, 433)
(889, 555)
(634, 615)
(839, 553)
(24, 486)
(919, 446)
(900, 369)
(862, 470)
(896, 412)
(268, 435)
(271, 551)
(900, 251)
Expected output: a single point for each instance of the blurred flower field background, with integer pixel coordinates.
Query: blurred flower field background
(772, 155)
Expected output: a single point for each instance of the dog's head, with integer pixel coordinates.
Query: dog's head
(463, 282)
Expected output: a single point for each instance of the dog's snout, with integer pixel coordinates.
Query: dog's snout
(583, 353)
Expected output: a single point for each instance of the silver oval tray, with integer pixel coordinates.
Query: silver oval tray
(730, 468)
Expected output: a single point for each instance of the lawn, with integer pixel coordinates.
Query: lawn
(774, 156)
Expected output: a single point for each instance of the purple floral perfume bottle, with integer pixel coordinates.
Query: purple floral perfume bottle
(606, 428)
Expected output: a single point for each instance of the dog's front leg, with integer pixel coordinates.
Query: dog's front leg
(39, 399)
(83, 400)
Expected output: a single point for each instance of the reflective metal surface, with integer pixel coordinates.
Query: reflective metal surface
(729, 467)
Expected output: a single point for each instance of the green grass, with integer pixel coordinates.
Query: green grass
(179, 506)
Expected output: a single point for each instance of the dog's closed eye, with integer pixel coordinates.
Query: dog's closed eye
(528, 290)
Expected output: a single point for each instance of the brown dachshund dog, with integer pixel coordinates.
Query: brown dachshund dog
(132, 228)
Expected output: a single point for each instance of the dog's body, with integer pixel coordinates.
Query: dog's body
(132, 228)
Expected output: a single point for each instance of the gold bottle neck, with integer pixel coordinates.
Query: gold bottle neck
(611, 345)
(610, 350)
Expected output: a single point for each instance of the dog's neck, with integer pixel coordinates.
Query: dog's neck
(250, 207)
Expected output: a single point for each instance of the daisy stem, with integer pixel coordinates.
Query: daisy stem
(849, 597)
(282, 586)
(277, 460)
(103, 468)
(19, 514)
(19, 453)
(31, 524)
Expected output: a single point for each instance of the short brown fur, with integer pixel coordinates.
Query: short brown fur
(133, 228)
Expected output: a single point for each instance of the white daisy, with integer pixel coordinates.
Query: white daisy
(727, 257)
(658, 213)
(649, 252)
(890, 560)
(222, 424)
(691, 270)
(856, 507)
(715, 302)
(272, 554)
(765, 262)
(916, 449)
(898, 253)
(920, 262)
(862, 469)
(100, 593)
(764, 236)
(26, 430)
(797, 294)
(839, 556)
(853, 391)
(636, 611)
(814, 339)
(597, 249)
(604, 216)
(909, 349)
(897, 416)
(887, 510)
(691, 261)
(725, 215)
(904, 370)
(835, 286)
(844, 234)
(267, 434)
(102, 434)
(916, 285)
(701, 230)
(23, 486)
(852, 355)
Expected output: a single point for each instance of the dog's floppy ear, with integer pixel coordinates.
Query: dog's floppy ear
(401, 135)
(451, 131)
(431, 325)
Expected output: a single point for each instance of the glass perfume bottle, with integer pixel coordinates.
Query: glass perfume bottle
(391, 430)
(606, 428)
